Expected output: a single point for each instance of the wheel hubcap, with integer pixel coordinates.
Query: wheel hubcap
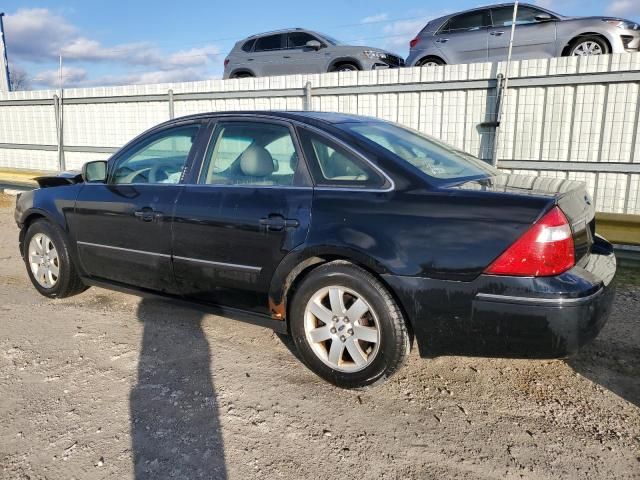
(587, 48)
(44, 260)
(342, 329)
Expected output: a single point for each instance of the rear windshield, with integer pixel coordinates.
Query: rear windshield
(432, 157)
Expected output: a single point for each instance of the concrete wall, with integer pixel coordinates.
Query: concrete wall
(573, 118)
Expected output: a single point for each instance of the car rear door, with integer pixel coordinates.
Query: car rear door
(239, 216)
(464, 38)
(532, 38)
(123, 227)
(298, 58)
(267, 55)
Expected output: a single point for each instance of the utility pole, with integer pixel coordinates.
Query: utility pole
(5, 81)
(62, 166)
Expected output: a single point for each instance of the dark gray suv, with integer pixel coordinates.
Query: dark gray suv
(286, 52)
(482, 35)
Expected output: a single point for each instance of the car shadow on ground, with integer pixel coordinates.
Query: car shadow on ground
(175, 424)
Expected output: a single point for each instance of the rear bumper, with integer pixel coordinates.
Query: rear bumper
(546, 317)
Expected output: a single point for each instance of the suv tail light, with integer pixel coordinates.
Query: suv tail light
(413, 42)
(545, 249)
(226, 62)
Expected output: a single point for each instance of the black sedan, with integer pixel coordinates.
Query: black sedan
(355, 236)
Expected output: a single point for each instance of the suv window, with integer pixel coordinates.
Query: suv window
(503, 17)
(160, 159)
(299, 39)
(332, 165)
(248, 45)
(251, 153)
(270, 42)
(467, 22)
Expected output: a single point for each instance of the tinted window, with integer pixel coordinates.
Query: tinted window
(271, 42)
(299, 39)
(434, 158)
(467, 22)
(160, 159)
(332, 165)
(503, 17)
(248, 45)
(248, 153)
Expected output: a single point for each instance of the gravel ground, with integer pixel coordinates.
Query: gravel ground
(105, 385)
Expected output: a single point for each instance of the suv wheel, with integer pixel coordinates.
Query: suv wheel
(590, 45)
(430, 62)
(346, 326)
(344, 67)
(49, 266)
(242, 75)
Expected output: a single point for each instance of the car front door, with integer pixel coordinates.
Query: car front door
(464, 38)
(123, 226)
(532, 38)
(249, 205)
(301, 59)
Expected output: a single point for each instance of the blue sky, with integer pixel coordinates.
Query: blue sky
(144, 41)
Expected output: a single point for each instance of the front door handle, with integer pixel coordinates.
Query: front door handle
(497, 34)
(277, 223)
(286, 56)
(148, 214)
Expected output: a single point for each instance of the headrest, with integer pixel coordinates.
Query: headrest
(256, 161)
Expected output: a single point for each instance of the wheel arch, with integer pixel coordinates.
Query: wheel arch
(428, 57)
(341, 60)
(241, 70)
(576, 36)
(28, 219)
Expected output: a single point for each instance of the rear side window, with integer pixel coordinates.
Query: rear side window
(298, 39)
(270, 42)
(248, 45)
(467, 22)
(333, 165)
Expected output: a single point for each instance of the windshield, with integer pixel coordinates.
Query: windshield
(433, 157)
(331, 40)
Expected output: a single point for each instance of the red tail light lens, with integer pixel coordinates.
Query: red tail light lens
(545, 249)
(413, 42)
(226, 62)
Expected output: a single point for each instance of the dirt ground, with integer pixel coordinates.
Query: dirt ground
(105, 385)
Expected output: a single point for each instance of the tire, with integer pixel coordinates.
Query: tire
(588, 45)
(44, 242)
(377, 318)
(430, 62)
(242, 75)
(344, 67)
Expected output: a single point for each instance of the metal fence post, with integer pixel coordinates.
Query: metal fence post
(499, 103)
(171, 108)
(57, 105)
(307, 96)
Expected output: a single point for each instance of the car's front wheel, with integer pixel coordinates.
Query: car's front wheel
(588, 45)
(347, 327)
(49, 265)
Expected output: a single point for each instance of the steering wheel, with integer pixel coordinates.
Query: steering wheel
(158, 173)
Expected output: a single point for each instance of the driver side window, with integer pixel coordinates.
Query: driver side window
(160, 159)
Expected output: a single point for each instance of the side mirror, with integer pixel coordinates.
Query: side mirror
(94, 172)
(543, 17)
(313, 44)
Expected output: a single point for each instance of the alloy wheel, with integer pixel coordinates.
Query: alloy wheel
(586, 48)
(44, 260)
(342, 329)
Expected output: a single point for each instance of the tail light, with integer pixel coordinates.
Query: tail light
(545, 249)
(226, 62)
(413, 42)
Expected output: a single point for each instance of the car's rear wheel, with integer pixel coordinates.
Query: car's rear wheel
(430, 62)
(588, 45)
(49, 265)
(344, 67)
(242, 75)
(347, 327)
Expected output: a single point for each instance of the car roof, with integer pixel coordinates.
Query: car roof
(276, 32)
(311, 117)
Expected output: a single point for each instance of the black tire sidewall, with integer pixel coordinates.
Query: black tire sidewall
(598, 40)
(349, 278)
(339, 68)
(64, 274)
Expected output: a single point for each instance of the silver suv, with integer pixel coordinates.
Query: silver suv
(482, 35)
(301, 51)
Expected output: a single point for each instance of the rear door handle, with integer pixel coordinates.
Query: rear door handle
(442, 40)
(286, 56)
(497, 34)
(277, 223)
(147, 214)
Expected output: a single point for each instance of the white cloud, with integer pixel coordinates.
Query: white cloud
(399, 33)
(38, 35)
(381, 17)
(622, 8)
(70, 75)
